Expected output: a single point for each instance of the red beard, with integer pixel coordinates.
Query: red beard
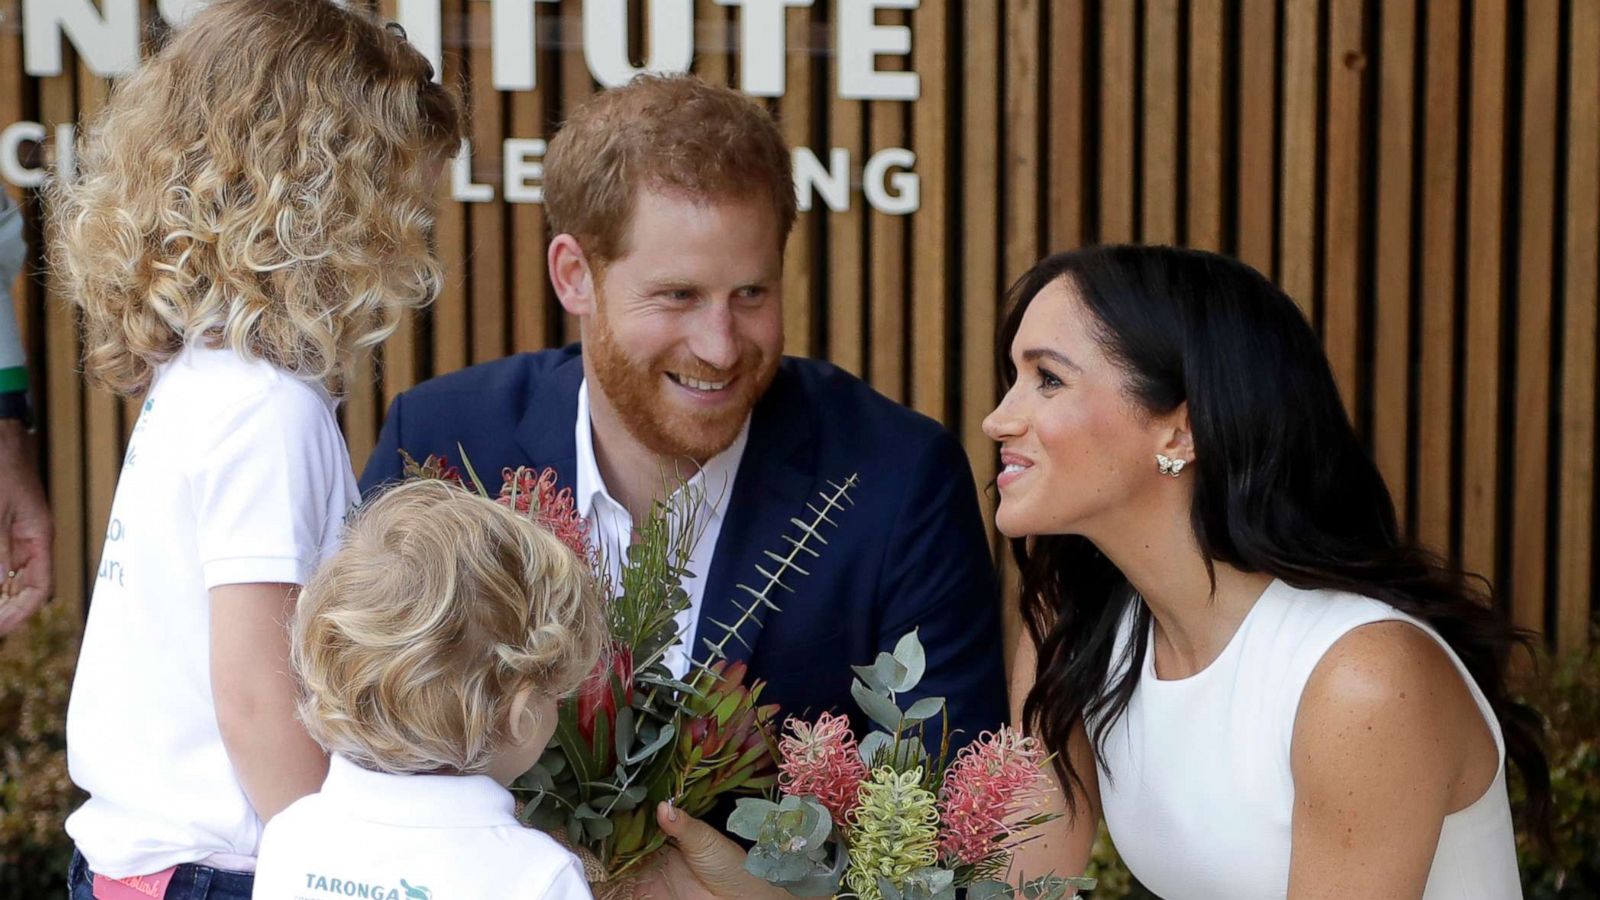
(634, 389)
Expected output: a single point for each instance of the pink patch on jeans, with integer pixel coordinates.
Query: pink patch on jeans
(138, 887)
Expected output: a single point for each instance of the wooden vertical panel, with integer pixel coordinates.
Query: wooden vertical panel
(361, 412)
(64, 403)
(1393, 248)
(1118, 70)
(886, 270)
(1574, 601)
(712, 57)
(450, 310)
(103, 436)
(799, 129)
(1485, 185)
(980, 261)
(1297, 214)
(846, 231)
(1258, 84)
(931, 266)
(488, 245)
(1204, 128)
(577, 85)
(1341, 286)
(400, 351)
(1536, 261)
(1065, 121)
(531, 294)
(1436, 419)
(1159, 197)
(1022, 167)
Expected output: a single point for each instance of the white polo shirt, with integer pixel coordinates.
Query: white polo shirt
(236, 473)
(410, 837)
(611, 526)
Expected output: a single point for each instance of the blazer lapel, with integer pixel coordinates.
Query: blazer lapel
(774, 482)
(546, 430)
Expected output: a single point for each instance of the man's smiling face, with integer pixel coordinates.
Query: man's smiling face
(687, 329)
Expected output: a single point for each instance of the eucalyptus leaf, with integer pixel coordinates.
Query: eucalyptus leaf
(871, 745)
(924, 709)
(929, 883)
(990, 890)
(749, 815)
(890, 672)
(823, 881)
(909, 654)
(650, 749)
(869, 675)
(878, 707)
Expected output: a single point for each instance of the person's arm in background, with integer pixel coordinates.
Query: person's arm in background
(25, 529)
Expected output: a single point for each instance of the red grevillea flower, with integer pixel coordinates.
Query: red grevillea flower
(527, 491)
(991, 783)
(822, 761)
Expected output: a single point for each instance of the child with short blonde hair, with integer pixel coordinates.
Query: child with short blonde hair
(432, 648)
(252, 207)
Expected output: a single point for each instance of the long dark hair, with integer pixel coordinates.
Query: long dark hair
(1282, 486)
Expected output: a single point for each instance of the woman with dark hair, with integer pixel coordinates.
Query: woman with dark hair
(1263, 687)
(1241, 663)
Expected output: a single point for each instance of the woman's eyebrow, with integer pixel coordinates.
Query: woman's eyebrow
(1045, 353)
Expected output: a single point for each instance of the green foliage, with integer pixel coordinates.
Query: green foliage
(36, 665)
(802, 549)
(1569, 698)
(794, 846)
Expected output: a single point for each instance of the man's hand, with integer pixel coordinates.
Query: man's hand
(703, 865)
(25, 530)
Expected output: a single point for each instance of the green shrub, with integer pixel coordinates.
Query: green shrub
(1568, 694)
(36, 665)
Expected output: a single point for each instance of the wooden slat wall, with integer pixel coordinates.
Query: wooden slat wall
(1423, 177)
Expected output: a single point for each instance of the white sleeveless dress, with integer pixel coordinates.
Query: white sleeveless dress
(1200, 795)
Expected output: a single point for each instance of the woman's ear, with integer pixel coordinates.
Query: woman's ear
(1177, 439)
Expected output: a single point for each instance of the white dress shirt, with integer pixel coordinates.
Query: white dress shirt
(611, 526)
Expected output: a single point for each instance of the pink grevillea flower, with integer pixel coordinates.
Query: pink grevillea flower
(992, 783)
(534, 492)
(822, 761)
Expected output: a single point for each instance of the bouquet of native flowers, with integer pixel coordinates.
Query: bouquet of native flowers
(883, 819)
(634, 735)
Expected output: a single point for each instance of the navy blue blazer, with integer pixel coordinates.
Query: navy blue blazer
(911, 553)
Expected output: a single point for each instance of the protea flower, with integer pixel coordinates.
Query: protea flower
(894, 831)
(726, 743)
(596, 697)
(822, 761)
(991, 783)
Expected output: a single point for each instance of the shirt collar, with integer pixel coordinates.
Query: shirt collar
(426, 801)
(715, 477)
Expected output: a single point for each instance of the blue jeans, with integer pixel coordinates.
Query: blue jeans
(190, 883)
